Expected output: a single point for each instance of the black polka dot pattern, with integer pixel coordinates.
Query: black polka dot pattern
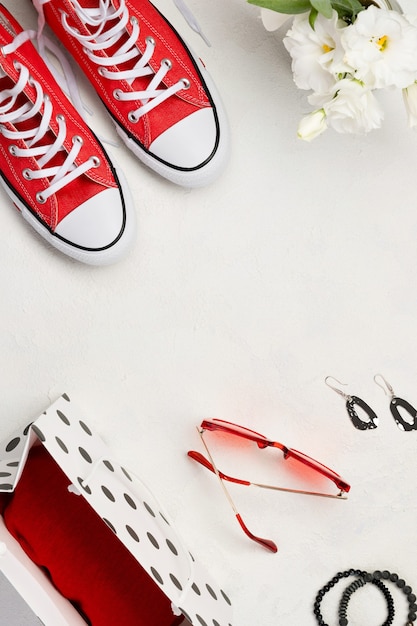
(176, 582)
(130, 501)
(62, 445)
(172, 547)
(164, 518)
(85, 428)
(63, 417)
(187, 617)
(108, 493)
(148, 508)
(126, 474)
(85, 487)
(110, 525)
(157, 576)
(85, 455)
(132, 533)
(225, 597)
(39, 433)
(12, 444)
(153, 540)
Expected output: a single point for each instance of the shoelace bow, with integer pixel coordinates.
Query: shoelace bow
(105, 37)
(15, 110)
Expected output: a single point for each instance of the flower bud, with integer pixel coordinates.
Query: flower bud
(312, 125)
(410, 101)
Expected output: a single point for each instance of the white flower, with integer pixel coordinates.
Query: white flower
(316, 53)
(410, 101)
(350, 107)
(354, 108)
(312, 125)
(382, 46)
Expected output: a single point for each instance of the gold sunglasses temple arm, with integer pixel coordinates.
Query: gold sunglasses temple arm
(216, 471)
(340, 496)
(266, 543)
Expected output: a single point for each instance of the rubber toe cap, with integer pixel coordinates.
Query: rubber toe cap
(97, 223)
(190, 143)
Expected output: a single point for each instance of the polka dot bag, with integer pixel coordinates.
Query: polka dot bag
(130, 548)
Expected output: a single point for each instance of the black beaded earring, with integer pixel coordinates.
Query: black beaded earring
(351, 401)
(398, 402)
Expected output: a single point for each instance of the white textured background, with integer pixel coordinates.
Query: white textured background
(236, 301)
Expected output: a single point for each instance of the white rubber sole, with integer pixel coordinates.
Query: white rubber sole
(200, 176)
(104, 256)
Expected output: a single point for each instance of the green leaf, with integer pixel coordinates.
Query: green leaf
(324, 7)
(348, 8)
(291, 7)
(312, 17)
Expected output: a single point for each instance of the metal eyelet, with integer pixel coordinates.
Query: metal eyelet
(26, 173)
(60, 118)
(39, 198)
(132, 117)
(101, 70)
(116, 94)
(17, 65)
(167, 63)
(96, 161)
(186, 83)
(133, 20)
(150, 40)
(13, 149)
(77, 139)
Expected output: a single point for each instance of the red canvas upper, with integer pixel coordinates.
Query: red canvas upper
(86, 562)
(168, 46)
(81, 189)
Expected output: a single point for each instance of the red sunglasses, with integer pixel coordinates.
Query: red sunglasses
(262, 442)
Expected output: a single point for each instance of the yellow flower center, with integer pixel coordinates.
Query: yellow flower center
(382, 43)
(327, 48)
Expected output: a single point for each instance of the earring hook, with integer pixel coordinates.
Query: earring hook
(387, 385)
(339, 391)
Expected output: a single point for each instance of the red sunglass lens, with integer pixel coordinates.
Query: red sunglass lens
(233, 429)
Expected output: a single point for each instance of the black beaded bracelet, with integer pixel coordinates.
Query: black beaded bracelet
(360, 582)
(376, 578)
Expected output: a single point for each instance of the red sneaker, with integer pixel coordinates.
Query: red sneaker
(160, 96)
(51, 165)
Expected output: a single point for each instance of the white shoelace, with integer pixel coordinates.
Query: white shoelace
(103, 39)
(14, 113)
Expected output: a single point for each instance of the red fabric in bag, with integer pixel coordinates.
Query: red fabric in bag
(86, 562)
